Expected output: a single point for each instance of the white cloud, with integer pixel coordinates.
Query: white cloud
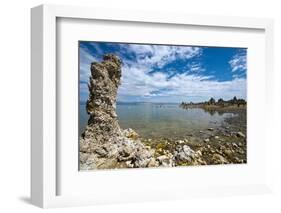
(160, 55)
(239, 62)
(195, 67)
(180, 87)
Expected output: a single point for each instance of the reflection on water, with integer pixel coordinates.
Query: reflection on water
(213, 111)
(162, 120)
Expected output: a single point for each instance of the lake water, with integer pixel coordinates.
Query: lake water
(161, 120)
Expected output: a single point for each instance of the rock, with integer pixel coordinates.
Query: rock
(201, 162)
(216, 137)
(228, 152)
(130, 133)
(240, 134)
(142, 158)
(219, 159)
(101, 151)
(184, 154)
(235, 145)
(103, 85)
(199, 153)
(165, 161)
(153, 163)
(211, 129)
(103, 144)
(241, 151)
(125, 152)
(166, 152)
(180, 142)
(129, 164)
(84, 157)
(206, 140)
(84, 147)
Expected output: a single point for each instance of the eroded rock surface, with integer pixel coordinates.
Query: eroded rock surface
(104, 144)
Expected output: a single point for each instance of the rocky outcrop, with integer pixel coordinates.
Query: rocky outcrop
(103, 144)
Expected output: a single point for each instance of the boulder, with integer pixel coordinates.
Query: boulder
(183, 154)
(165, 161)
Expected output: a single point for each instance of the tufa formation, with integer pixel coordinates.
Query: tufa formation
(104, 145)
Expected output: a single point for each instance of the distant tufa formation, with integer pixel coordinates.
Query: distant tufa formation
(220, 103)
(104, 144)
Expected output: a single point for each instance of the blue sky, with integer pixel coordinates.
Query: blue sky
(166, 73)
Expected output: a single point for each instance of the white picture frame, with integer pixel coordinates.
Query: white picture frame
(44, 153)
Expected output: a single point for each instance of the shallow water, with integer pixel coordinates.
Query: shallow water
(161, 120)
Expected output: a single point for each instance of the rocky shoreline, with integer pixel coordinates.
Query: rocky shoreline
(104, 145)
(211, 146)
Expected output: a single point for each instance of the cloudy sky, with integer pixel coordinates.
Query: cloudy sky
(170, 74)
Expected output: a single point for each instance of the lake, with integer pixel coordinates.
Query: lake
(152, 120)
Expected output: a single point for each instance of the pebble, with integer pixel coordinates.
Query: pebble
(241, 152)
(235, 145)
(199, 153)
(228, 152)
(206, 140)
(180, 141)
(219, 159)
(240, 134)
